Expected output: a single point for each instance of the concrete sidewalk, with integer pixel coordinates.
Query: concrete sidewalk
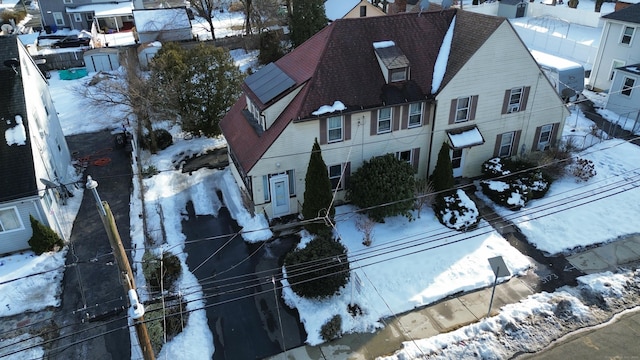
(422, 323)
(456, 312)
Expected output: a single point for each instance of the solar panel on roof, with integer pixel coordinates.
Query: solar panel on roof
(269, 82)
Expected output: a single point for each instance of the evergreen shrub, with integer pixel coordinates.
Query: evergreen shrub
(43, 239)
(319, 270)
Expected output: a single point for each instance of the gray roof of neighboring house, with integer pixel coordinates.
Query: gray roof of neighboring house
(629, 14)
(633, 69)
(17, 173)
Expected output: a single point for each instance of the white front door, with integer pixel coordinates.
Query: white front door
(280, 194)
(457, 161)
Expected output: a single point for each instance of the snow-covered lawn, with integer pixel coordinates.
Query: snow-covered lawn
(574, 214)
(408, 265)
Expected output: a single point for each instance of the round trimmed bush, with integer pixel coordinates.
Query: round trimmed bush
(319, 270)
(457, 211)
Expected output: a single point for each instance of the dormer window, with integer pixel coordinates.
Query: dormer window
(393, 63)
(398, 75)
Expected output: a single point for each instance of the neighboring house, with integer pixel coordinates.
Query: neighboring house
(401, 84)
(346, 9)
(102, 59)
(624, 95)
(80, 14)
(170, 24)
(512, 9)
(146, 52)
(619, 45)
(34, 157)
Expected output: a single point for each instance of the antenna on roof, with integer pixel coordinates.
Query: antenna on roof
(12, 63)
(424, 5)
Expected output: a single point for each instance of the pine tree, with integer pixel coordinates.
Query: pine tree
(317, 192)
(308, 18)
(442, 177)
(44, 238)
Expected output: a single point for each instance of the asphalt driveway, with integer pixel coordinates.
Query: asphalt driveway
(91, 320)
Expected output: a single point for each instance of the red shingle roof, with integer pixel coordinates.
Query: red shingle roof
(338, 63)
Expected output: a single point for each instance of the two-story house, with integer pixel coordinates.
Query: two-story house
(343, 9)
(34, 157)
(80, 14)
(619, 46)
(401, 84)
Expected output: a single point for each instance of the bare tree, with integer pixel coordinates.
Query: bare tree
(365, 225)
(259, 14)
(424, 194)
(248, 14)
(204, 9)
(133, 94)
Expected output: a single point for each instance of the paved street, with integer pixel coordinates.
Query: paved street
(617, 340)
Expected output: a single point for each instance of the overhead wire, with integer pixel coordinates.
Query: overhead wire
(394, 257)
(111, 176)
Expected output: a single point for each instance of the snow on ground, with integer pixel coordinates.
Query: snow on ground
(225, 24)
(29, 282)
(517, 329)
(410, 264)
(625, 122)
(569, 208)
(72, 108)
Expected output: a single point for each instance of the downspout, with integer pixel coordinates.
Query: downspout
(433, 126)
(524, 135)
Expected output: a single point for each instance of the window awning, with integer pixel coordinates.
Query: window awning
(464, 138)
(104, 10)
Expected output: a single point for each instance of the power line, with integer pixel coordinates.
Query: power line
(563, 210)
(394, 257)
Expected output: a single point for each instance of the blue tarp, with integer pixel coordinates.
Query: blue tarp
(72, 74)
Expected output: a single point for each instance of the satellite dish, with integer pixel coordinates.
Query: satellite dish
(12, 63)
(446, 4)
(6, 28)
(49, 184)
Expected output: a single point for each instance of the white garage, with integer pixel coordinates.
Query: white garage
(102, 59)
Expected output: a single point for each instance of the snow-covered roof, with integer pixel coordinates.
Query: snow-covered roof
(337, 106)
(161, 19)
(466, 138)
(553, 61)
(104, 10)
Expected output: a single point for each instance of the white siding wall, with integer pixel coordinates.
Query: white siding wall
(611, 49)
(19, 239)
(502, 57)
(273, 111)
(293, 148)
(52, 159)
(624, 105)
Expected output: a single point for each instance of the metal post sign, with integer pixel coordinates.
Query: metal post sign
(499, 270)
(499, 267)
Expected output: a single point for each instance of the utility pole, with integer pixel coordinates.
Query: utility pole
(136, 309)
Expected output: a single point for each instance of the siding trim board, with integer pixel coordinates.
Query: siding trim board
(323, 131)
(395, 118)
